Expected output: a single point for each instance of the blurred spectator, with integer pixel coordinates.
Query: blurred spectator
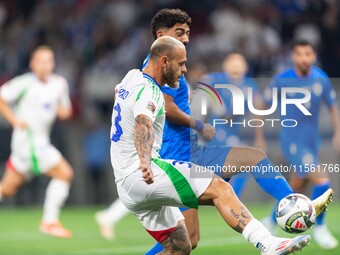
(96, 38)
(96, 152)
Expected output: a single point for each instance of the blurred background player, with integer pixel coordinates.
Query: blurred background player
(39, 97)
(235, 69)
(300, 145)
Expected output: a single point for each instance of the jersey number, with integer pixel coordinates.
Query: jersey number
(119, 131)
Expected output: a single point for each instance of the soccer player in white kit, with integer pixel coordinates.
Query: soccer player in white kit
(39, 98)
(153, 188)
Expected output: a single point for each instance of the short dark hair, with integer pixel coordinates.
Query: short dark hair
(302, 42)
(167, 18)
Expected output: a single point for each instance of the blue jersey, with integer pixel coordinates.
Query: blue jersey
(300, 145)
(176, 138)
(226, 134)
(320, 87)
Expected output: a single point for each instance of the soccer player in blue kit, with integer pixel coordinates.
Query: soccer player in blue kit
(300, 145)
(180, 143)
(235, 68)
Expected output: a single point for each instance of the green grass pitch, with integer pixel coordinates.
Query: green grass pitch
(19, 234)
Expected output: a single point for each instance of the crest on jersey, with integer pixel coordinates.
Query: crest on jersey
(151, 106)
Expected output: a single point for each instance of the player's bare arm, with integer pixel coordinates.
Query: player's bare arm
(144, 138)
(64, 113)
(176, 116)
(6, 111)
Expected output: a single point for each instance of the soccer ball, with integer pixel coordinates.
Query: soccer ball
(295, 213)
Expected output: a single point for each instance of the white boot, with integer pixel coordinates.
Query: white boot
(105, 227)
(282, 246)
(324, 238)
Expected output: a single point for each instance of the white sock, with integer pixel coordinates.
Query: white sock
(116, 212)
(257, 234)
(56, 193)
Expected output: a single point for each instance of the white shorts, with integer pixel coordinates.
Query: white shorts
(37, 160)
(156, 205)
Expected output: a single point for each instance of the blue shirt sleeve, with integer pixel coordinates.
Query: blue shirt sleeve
(169, 91)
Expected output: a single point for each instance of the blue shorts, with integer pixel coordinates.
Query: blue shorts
(300, 154)
(207, 156)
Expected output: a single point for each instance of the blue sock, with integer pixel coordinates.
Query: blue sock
(318, 190)
(154, 250)
(271, 181)
(238, 183)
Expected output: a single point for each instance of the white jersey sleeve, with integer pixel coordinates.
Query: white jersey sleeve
(137, 94)
(148, 103)
(14, 89)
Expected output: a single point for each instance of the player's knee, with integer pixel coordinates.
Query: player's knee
(223, 188)
(67, 174)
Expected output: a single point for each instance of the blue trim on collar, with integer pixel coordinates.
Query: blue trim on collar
(145, 75)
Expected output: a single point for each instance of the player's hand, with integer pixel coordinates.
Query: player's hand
(208, 132)
(146, 172)
(336, 142)
(19, 124)
(63, 113)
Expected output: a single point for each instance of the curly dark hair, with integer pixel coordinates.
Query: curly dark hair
(167, 18)
(303, 42)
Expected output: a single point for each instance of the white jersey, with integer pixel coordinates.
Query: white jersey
(36, 104)
(138, 93)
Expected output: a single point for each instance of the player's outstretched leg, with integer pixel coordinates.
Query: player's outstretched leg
(255, 161)
(221, 194)
(56, 194)
(107, 218)
(10, 183)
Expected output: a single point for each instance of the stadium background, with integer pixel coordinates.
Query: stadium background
(98, 41)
